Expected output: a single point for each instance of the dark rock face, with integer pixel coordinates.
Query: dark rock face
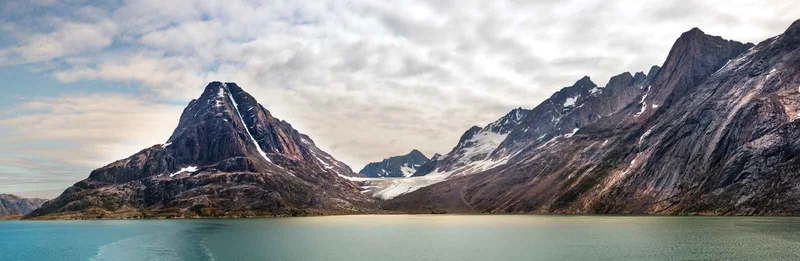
(11, 204)
(396, 167)
(712, 131)
(228, 157)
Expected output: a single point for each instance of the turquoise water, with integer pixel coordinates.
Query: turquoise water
(387, 238)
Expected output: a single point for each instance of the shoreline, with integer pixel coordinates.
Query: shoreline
(19, 217)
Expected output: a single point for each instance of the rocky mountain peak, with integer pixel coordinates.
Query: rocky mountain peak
(396, 166)
(791, 37)
(508, 122)
(12, 204)
(620, 81)
(468, 134)
(694, 56)
(225, 127)
(227, 156)
(585, 82)
(416, 153)
(639, 77)
(653, 71)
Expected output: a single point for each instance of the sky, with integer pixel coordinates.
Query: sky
(90, 82)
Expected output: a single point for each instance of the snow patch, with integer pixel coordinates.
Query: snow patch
(646, 133)
(569, 102)
(324, 164)
(568, 135)
(407, 171)
(220, 96)
(644, 108)
(186, 169)
(236, 106)
(482, 143)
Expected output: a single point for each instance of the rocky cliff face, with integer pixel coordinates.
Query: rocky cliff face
(396, 167)
(11, 204)
(713, 131)
(228, 157)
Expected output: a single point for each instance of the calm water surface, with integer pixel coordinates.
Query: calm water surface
(387, 238)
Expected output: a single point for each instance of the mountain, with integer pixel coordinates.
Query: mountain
(228, 156)
(561, 115)
(713, 131)
(396, 167)
(11, 204)
(475, 147)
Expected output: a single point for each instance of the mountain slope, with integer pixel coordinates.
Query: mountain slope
(475, 147)
(396, 167)
(11, 204)
(715, 133)
(228, 156)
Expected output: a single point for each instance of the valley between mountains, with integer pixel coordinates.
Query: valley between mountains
(713, 130)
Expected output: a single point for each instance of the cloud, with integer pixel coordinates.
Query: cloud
(84, 132)
(366, 79)
(91, 31)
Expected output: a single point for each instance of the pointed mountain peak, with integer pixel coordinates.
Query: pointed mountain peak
(228, 127)
(653, 71)
(790, 38)
(568, 96)
(794, 29)
(508, 121)
(416, 153)
(639, 77)
(468, 134)
(396, 166)
(585, 82)
(695, 39)
(693, 57)
(224, 141)
(694, 32)
(620, 81)
(214, 84)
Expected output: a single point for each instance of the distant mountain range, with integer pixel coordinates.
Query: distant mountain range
(397, 166)
(713, 130)
(11, 204)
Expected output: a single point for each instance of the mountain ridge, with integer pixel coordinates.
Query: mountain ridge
(396, 166)
(696, 140)
(12, 204)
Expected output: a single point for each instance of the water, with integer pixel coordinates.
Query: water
(387, 238)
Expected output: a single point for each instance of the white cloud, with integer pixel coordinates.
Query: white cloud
(86, 131)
